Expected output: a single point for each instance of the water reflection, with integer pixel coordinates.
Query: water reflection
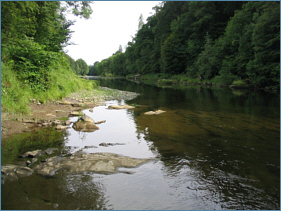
(213, 150)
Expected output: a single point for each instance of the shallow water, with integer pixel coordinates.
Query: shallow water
(211, 149)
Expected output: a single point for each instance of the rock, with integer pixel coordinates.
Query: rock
(74, 113)
(78, 104)
(91, 110)
(5, 169)
(56, 122)
(67, 122)
(23, 171)
(33, 160)
(61, 127)
(45, 124)
(120, 107)
(28, 120)
(64, 102)
(50, 150)
(79, 162)
(28, 162)
(12, 172)
(154, 112)
(99, 122)
(32, 154)
(85, 126)
(86, 118)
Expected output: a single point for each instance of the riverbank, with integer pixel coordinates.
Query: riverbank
(54, 110)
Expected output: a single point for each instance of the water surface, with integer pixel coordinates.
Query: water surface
(213, 148)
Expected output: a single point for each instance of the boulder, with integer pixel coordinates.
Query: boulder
(120, 107)
(85, 126)
(86, 118)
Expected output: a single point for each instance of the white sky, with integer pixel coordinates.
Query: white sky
(112, 23)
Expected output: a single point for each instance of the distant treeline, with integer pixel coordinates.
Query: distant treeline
(232, 40)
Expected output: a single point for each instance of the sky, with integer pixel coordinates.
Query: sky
(112, 23)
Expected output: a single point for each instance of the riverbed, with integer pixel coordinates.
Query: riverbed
(212, 148)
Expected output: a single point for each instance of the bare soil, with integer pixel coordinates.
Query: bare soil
(10, 124)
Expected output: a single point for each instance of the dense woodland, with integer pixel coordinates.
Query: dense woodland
(213, 41)
(33, 64)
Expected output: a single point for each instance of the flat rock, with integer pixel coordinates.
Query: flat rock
(154, 112)
(94, 162)
(32, 154)
(61, 127)
(99, 122)
(120, 107)
(74, 113)
(50, 150)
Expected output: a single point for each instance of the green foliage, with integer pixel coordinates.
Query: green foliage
(205, 40)
(33, 64)
(81, 67)
(14, 94)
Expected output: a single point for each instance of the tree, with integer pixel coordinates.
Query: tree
(81, 67)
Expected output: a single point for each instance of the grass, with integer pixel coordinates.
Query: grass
(16, 95)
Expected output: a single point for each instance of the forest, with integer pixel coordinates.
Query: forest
(216, 41)
(33, 63)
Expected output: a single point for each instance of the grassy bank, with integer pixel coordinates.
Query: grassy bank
(16, 94)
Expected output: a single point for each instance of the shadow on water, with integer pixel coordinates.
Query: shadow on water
(214, 149)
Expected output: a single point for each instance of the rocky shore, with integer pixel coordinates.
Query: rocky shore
(54, 113)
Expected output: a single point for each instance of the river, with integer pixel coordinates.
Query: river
(213, 148)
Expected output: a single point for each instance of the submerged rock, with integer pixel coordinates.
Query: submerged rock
(120, 107)
(95, 162)
(13, 172)
(154, 112)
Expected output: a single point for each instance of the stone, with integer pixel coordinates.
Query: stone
(86, 118)
(78, 104)
(32, 154)
(61, 127)
(120, 107)
(23, 171)
(67, 122)
(50, 151)
(154, 112)
(99, 122)
(81, 162)
(85, 126)
(74, 113)
(56, 122)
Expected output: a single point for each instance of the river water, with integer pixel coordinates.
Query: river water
(213, 148)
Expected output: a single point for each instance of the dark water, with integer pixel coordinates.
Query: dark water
(214, 149)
